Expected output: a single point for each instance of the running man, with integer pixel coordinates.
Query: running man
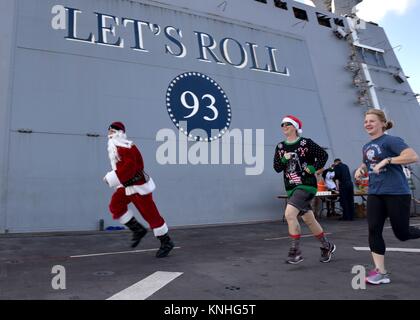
(133, 185)
(299, 158)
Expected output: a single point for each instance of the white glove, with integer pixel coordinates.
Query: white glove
(106, 181)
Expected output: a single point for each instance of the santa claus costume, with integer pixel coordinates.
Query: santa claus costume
(133, 185)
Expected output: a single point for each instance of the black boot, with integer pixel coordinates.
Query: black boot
(166, 245)
(138, 231)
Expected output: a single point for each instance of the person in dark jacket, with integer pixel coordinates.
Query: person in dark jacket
(344, 184)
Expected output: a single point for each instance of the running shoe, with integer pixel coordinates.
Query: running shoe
(326, 253)
(375, 277)
(295, 256)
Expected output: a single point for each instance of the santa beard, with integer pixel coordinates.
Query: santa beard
(117, 139)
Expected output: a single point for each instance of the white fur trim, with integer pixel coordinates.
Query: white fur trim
(117, 139)
(126, 217)
(161, 230)
(112, 179)
(295, 124)
(142, 189)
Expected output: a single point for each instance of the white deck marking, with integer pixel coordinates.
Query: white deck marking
(390, 249)
(303, 236)
(146, 287)
(119, 252)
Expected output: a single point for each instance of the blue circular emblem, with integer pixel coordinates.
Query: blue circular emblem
(198, 106)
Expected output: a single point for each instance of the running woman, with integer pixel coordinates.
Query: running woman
(389, 194)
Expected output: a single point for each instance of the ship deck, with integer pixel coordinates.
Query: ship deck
(231, 262)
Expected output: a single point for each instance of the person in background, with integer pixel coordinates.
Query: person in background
(328, 176)
(344, 183)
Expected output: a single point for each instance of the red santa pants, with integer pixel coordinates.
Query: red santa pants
(144, 203)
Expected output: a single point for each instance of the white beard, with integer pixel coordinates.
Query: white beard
(118, 139)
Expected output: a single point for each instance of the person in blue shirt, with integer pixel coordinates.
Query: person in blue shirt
(389, 194)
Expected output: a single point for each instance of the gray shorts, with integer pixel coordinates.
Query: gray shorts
(301, 200)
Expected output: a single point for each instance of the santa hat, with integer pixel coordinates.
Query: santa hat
(294, 121)
(117, 126)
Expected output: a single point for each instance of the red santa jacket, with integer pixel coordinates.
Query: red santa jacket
(130, 165)
(130, 170)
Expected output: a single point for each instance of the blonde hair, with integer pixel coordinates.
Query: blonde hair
(388, 124)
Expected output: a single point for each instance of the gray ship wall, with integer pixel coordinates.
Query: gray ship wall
(7, 36)
(64, 80)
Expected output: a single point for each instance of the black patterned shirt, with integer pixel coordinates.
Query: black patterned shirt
(305, 154)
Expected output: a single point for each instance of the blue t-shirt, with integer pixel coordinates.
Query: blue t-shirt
(391, 179)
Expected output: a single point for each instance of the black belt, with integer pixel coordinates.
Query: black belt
(137, 177)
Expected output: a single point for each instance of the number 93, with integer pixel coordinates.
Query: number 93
(196, 105)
